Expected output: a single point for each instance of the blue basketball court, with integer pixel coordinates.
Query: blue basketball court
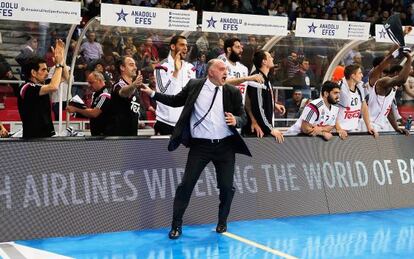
(376, 234)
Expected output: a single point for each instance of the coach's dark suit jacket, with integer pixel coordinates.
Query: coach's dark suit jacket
(232, 102)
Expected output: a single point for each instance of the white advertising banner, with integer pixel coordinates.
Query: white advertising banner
(41, 11)
(328, 29)
(244, 23)
(148, 17)
(382, 36)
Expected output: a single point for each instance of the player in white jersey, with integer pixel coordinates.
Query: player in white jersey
(382, 94)
(352, 103)
(238, 70)
(380, 65)
(237, 73)
(319, 116)
(171, 75)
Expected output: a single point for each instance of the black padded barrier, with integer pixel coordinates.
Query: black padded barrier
(62, 187)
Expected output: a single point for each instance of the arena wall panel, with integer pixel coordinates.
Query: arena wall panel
(67, 187)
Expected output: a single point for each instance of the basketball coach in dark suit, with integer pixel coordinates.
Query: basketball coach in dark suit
(207, 124)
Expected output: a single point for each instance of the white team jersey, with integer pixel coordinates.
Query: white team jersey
(350, 104)
(223, 57)
(167, 84)
(237, 71)
(379, 107)
(317, 114)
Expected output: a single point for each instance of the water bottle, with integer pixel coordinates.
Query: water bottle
(408, 123)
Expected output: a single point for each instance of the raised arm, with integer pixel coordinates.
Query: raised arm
(376, 72)
(236, 81)
(388, 82)
(53, 86)
(177, 100)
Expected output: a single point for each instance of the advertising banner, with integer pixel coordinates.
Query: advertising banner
(74, 187)
(41, 11)
(244, 23)
(382, 36)
(148, 17)
(328, 29)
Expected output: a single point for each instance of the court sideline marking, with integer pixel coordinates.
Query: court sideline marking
(11, 250)
(260, 246)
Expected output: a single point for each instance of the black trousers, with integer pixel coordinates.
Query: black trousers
(201, 153)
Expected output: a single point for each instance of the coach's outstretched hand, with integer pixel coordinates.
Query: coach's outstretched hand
(146, 90)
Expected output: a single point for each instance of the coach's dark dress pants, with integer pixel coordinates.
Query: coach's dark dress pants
(201, 152)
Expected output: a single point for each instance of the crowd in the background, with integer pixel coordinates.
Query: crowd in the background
(298, 63)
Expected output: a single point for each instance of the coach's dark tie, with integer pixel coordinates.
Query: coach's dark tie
(211, 105)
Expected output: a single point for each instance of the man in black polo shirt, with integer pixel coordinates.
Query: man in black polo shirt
(98, 113)
(33, 96)
(125, 102)
(261, 100)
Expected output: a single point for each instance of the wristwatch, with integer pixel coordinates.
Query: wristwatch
(60, 65)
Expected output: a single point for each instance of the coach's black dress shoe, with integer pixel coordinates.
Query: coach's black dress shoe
(175, 232)
(221, 228)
